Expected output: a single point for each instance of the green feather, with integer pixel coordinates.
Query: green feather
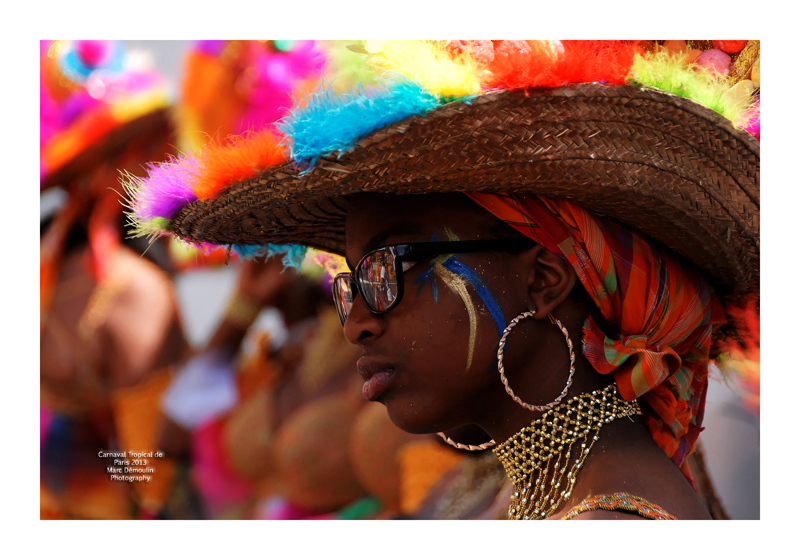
(669, 73)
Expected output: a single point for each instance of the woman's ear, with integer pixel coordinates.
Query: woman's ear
(550, 280)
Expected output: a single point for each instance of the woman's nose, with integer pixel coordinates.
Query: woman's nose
(361, 324)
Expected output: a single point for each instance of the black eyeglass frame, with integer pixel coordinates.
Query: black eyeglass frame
(417, 252)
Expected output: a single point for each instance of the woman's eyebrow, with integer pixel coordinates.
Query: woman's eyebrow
(380, 238)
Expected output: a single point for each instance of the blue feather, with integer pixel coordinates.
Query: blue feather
(332, 122)
(293, 255)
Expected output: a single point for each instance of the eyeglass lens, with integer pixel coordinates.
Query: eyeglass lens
(377, 279)
(342, 295)
(377, 282)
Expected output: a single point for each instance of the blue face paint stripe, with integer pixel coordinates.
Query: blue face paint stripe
(478, 284)
(421, 279)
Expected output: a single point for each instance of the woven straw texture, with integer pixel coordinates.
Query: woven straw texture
(666, 166)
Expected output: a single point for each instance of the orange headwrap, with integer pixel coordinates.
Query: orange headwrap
(661, 307)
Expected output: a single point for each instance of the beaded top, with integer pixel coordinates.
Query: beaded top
(620, 501)
(528, 454)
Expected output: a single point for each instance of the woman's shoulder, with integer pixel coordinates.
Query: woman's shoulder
(629, 476)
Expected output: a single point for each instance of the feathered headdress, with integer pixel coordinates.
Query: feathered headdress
(413, 78)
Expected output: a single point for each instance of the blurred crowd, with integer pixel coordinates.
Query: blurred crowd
(260, 420)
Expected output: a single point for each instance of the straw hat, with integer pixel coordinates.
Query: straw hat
(592, 122)
(231, 87)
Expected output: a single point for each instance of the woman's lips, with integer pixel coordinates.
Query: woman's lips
(377, 378)
(376, 385)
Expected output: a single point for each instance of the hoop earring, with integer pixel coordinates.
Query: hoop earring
(501, 349)
(464, 446)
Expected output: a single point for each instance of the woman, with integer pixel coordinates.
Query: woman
(535, 211)
(434, 378)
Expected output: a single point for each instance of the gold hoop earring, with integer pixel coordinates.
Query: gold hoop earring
(464, 446)
(501, 349)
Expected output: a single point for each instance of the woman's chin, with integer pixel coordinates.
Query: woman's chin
(409, 420)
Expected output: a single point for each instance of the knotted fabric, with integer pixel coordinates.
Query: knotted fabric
(661, 309)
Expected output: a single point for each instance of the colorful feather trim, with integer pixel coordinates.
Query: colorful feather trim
(413, 78)
(332, 122)
(293, 255)
(669, 72)
(167, 189)
(418, 76)
(751, 119)
(441, 72)
(173, 184)
(549, 64)
(242, 157)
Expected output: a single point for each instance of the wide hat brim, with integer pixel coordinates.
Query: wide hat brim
(666, 166)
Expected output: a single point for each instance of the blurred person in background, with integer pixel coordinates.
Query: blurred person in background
(110, 331)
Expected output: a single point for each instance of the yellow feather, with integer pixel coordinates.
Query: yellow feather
(429, 64)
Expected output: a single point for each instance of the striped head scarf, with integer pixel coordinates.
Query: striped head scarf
(662, 311)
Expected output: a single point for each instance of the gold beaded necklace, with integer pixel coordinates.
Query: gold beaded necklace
(528, 454)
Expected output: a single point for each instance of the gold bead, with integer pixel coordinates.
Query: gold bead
(529, 452)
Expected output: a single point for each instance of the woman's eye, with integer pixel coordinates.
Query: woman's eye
(408, 265)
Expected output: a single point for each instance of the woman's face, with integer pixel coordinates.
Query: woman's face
(432, 359)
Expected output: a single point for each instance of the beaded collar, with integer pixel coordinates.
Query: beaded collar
(537, 457)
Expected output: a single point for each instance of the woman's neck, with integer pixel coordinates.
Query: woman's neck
(513, 417)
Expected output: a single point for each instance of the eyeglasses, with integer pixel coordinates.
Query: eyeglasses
(378, 277)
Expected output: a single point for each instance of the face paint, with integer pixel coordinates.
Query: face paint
(429, 274)
(477, 283)
(457, 276)
(459, 286)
